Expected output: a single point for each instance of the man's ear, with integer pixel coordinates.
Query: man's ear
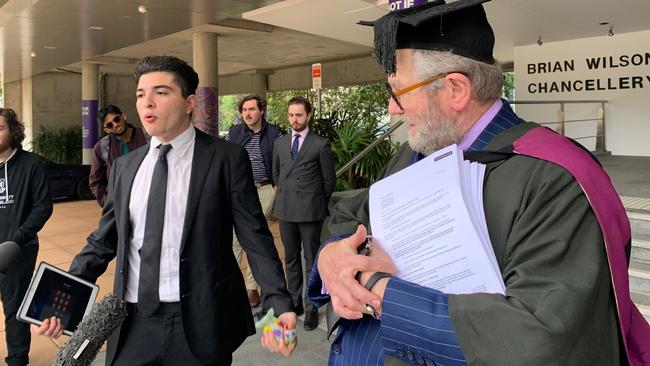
(190, 102)
(124, 116)
(460, 91)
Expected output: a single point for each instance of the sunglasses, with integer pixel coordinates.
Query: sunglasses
(111, 124)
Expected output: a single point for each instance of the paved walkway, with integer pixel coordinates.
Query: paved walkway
(64, 235)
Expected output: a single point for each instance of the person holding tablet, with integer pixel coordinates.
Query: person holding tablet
(25, 206)
(168, 220)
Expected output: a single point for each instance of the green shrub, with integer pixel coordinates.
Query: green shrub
(62, 145)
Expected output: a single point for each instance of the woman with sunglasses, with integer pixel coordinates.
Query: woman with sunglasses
(121, 138)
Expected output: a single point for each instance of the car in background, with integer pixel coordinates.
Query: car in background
(68, 180)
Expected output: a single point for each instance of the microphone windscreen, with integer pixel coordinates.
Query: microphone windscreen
(82, 348)
(9, 254)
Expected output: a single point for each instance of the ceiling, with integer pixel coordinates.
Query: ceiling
(515, 22)
(243, 46)
(41, 35)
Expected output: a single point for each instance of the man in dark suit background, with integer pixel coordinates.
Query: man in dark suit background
(172, 236)
(303, 171)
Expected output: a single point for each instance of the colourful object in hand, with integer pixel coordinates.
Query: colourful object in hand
(270, 323)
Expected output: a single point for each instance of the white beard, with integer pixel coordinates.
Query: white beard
(433, 130)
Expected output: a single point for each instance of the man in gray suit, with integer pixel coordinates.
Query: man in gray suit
(303, 171)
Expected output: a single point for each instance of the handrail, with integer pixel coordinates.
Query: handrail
(561, 122)
(368, 148)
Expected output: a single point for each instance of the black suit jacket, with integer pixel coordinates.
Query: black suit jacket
(214, 305)
(305, 185)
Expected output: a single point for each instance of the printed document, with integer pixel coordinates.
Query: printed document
(429, 218)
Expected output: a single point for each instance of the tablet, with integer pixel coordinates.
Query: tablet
(55, 292)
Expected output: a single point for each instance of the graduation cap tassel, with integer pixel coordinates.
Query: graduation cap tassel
(386, 42)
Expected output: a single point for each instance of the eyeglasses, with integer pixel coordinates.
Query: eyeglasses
(396, 93)
(111, 124)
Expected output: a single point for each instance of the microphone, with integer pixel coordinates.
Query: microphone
(82, 348)
(9, 253)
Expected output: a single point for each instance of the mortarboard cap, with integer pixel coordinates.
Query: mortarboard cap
(460, 27)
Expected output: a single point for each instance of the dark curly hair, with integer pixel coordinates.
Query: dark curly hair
(16, 128)
(261, 103)
(184, 74)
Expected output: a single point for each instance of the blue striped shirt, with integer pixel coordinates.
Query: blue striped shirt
(255, 155)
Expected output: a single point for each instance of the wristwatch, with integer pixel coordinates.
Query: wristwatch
(365, 247)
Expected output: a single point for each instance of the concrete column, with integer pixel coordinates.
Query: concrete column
(26, 111)
(89, 95)
(206, 111)
(259, 84)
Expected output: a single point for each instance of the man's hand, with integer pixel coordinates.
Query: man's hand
(289, 319)
(51, 328)
(338, 264)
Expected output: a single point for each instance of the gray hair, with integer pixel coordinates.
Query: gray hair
(486, 78)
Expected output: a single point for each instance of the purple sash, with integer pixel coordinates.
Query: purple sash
(543, 143)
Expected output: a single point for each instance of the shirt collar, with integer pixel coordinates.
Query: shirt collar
(263, 122)
(302, 133)
(180, 143)
(478, 127)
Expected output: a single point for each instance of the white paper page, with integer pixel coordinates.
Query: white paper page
(481, 224)
(419, 217)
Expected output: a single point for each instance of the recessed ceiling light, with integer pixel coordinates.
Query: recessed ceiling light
(142, 9)
(33, 54)
(49, 47)
(94, 27)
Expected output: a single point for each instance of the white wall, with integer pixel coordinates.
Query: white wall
(624, 84)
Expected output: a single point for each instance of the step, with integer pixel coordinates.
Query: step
(640, 299)
(645, 311)
(638, 211)
(639, 221)
(641, 248)
(642, 302)
(636, 203)
(639, 273)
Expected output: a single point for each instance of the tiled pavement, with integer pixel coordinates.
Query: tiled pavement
(64, 235)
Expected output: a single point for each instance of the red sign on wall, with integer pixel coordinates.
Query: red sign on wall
(316, 78)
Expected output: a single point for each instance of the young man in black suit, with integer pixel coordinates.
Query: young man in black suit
(172, 236)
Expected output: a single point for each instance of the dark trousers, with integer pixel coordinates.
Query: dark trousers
(293, 234)
(156, 340)
(13, 286)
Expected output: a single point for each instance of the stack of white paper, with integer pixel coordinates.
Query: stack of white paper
(429, 217)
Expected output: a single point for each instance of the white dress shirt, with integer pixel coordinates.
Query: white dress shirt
(179, 162)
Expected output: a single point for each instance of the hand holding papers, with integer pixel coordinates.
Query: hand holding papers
(429, 218)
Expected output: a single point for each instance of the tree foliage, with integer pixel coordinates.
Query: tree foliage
(508, 85)
(228, 112)
(62, 145)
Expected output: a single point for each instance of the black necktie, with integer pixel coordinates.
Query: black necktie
(148, 296)
(294, 146)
